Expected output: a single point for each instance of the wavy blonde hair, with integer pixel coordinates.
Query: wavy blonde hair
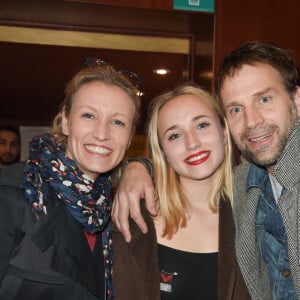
(105, 74)
(172, 202)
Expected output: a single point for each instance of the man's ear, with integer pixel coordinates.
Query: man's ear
(64, 123)
(297, 99)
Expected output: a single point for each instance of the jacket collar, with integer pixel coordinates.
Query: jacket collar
(287, 170)
(257, 177)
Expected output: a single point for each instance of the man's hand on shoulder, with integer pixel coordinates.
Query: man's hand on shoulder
(135, 184)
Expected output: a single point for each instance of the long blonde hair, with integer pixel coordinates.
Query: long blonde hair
(172, 203)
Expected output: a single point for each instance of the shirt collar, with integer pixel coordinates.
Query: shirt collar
(257, 177)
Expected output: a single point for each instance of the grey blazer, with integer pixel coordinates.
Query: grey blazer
(287, 172)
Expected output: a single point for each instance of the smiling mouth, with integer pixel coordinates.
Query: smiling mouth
(97, 149)
(198, 157)
(260, 139)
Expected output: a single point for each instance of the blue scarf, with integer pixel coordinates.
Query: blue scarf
(88, 201)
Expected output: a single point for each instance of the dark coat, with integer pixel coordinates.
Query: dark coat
(12, 174)
(136, 271)
(49, 259)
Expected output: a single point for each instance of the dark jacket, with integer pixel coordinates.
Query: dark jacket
(12, 174)
(49, 259)
(136, 271)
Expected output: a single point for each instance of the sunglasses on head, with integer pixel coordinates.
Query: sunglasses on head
(134, 79)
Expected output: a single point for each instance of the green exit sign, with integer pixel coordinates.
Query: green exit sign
(197, 5)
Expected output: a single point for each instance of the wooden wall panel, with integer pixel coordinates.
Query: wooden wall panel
(281, 24)
(152, 4)
(269, 20)
(54, 37)
(235, 22)
(84, 16)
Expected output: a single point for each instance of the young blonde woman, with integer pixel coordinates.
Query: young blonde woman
(189, 250)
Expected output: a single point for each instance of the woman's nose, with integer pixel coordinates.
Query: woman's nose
(192, 142)
(101, 132)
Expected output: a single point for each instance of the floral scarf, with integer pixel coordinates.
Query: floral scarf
(88, 201)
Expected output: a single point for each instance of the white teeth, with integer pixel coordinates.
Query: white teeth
(97, 149)
(197, 157)
(260, 138)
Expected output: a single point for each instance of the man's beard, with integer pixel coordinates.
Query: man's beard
(7, 159)
(283, 139)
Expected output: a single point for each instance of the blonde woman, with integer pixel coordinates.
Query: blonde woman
(55, 234)
(189, 251)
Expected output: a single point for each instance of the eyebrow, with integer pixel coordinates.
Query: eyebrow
(266, 90)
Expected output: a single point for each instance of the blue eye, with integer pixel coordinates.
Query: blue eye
(173, 136)
(88, 116)
(235, 110)
(203, 125)
(265, 99)
(119, 123)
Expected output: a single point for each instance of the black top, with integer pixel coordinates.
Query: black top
(187, 275)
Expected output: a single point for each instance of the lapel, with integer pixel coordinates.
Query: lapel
(136, 268)
(227, 262)
(287, 172)
(254, 270)
(289, 209)
(61, 234)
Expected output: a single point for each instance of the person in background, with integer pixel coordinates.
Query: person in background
(258, 86)
(55, 234)
(11, 168)
(10, 145)
(189, 252)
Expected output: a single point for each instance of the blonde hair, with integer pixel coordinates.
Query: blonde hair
(172, 202)
(105, 74)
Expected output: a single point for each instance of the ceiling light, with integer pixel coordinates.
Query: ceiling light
(161, 71)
